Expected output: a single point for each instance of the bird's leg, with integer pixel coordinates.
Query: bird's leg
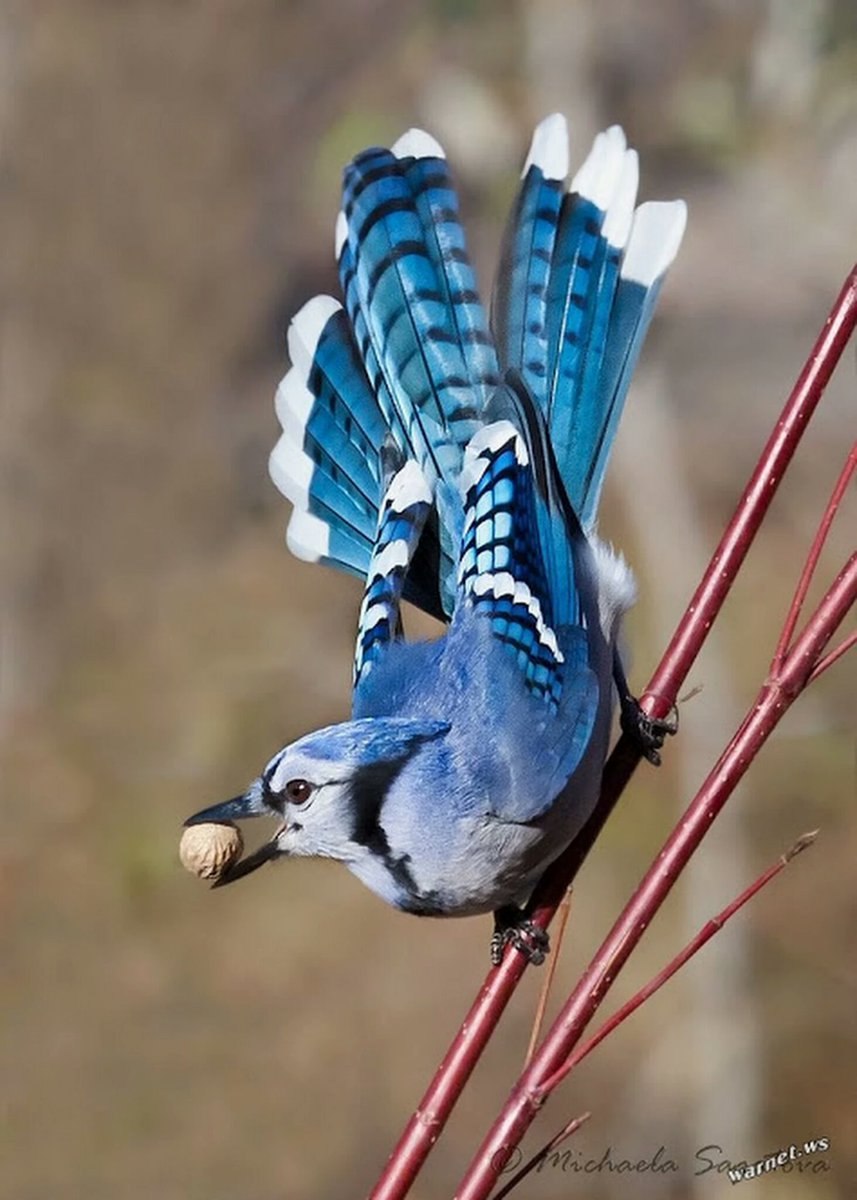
(511, 927)
(649, 733)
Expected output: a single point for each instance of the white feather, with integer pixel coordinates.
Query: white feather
(291, 470)
(617, 223)
(504, 584)
(501, 584)
(408, 486)
(307, 536)
(656, 234)
(617, 587)
(306, 328)
(395, 554)
(489, 437)
(598, 177)
(340, 236)
(549, 148)
(293, 404)
(416, 143)
(372, 616)
(493, 436)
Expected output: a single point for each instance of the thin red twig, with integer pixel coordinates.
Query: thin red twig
(839, 490)
(776, 696)
(696, 943)
(564, 1134)
(426, 1124)
(545, 990)
(833, 656)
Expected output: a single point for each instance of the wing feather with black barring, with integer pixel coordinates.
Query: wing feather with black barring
(327, 459)
(404, 512)
(501, 569)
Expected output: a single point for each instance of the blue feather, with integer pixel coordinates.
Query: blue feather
(653, 243)
(393, 275)
(437, 206)
(521, 304)
(501, 571)
(404, 512)
(575, 338)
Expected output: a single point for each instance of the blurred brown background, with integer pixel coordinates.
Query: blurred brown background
(169, 178)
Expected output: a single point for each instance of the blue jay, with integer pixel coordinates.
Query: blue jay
(459, 466)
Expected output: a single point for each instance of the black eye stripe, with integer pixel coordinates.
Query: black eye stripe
(278, 800)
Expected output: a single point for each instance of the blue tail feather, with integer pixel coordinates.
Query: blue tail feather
(587, 321)
(396, 273)
(436, 204)
(654, 240)
(580, 229)
(520, 311)
(573, 426)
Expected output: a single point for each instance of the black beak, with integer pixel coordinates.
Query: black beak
(248, 804)
(246, 866)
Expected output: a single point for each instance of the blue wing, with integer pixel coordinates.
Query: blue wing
(327, 461)
(517, 527)
(509, 540)
(328, 458)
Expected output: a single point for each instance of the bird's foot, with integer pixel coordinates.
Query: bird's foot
(512, 929)
(649, 733)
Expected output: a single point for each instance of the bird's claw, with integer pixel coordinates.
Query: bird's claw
(528, 938)
(649, 733)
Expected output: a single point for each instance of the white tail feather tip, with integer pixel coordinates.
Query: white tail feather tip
(656, 234)
(416, 143)
(549, 148)
(617, 223)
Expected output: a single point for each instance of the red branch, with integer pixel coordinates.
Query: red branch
(705, 934)
(426, 1124)
(777, 695)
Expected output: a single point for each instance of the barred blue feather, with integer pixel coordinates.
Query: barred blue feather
(577, 287)
(393, 277)
(404, 511)
(501, 569)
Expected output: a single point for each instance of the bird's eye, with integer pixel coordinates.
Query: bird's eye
(298, 791)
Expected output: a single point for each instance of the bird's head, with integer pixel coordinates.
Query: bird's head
(324, 788)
